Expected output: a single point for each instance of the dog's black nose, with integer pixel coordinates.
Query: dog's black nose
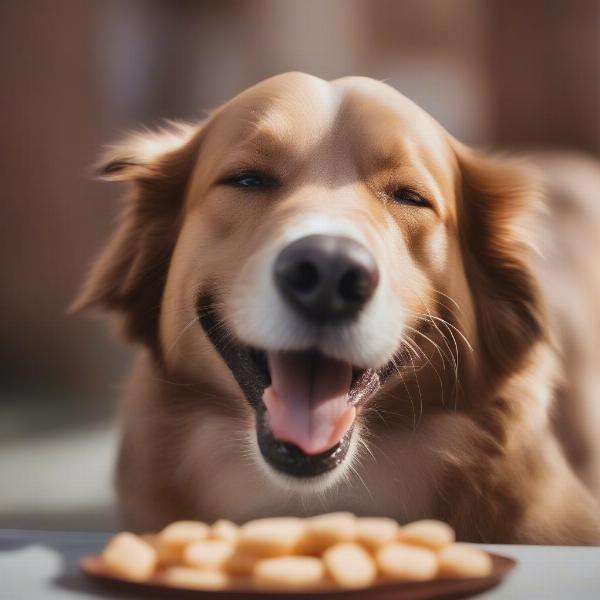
(327, 278)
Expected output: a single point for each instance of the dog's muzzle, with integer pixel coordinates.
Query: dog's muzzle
(306, 402)
(308, 419)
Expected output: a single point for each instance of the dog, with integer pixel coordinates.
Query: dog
(341, 307)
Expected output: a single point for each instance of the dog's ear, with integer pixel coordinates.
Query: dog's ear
(496, 198)
(129, 275)
(144, 154)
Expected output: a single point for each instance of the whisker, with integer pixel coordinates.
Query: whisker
(180, 335)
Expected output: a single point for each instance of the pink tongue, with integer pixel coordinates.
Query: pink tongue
(307, 401)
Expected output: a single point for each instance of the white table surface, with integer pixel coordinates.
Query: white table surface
(43, 565)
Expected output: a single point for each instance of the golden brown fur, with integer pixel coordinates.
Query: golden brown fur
(499, 439)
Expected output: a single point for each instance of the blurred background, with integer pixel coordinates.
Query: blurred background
(76, 73)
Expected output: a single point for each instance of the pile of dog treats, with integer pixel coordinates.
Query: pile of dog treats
(337, 550)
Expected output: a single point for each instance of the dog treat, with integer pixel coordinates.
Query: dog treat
(200, 579)
(326, 552)
(462, 560)
(403, 562)
(129, 557)
(271, 537)
(208, 554)
(350, 565)
(167, 555)
(289, 572)
(374, 532)
(181, 533)
(327, 530)
(224, 530)
(427, 533)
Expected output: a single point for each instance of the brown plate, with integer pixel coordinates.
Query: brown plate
(423, 590)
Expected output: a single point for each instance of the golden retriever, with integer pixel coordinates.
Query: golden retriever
(341, 307)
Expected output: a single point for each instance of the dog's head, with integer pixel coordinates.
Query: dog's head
(310, 246)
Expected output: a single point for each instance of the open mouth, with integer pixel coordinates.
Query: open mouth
(306, 403)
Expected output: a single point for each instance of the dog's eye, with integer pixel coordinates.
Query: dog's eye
(408, 196)
(251, 179)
